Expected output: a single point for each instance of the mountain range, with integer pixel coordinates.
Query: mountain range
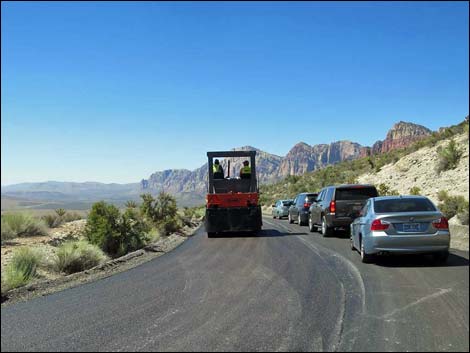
(300, 159)
(190, 186)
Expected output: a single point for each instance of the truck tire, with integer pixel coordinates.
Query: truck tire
(325, 230)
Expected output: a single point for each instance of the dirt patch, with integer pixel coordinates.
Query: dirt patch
(48, 283)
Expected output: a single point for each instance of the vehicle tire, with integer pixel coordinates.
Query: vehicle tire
(365, 258)
(441, 257)
(311, 226)
(325, 230)
(274, 217)
(290, 219)
(351, 241)
(300, 221)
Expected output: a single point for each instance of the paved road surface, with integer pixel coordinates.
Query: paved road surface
(286, 289)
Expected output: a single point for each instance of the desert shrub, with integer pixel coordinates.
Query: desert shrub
(52, 220)
(384, 190)
(133, 231)
(76, 256)
(449, 157)
(453, 205)
(131, 204)
(415, 191)
(197, 212)
(114, 233)
(161, 212)
(60, 212)
(7, 233)
(22, 268)
(72, 216)
(21, 225)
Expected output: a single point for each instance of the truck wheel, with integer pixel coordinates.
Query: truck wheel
(325, 230)
(311, 226)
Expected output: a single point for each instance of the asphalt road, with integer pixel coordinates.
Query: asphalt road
(284, 290)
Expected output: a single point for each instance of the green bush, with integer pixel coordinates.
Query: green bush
(453, 205)
(131, 204)
(133, 232)
(21, 269)
(114, 233)
(449, 157)
(76, 256)
(415, 191)
(197, 212)
(52, 220)
(161, 212)
(384, 190)
(21, 225)
(60, 212)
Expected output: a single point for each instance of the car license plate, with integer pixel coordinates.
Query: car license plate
(411, 227)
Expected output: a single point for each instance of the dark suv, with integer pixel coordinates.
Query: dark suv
(299, 209)
(338, 206)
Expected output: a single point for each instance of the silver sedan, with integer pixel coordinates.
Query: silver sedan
(281, 208)
(400, 224)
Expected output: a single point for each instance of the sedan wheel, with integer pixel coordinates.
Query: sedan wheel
(352, 243)
(290, 219)
(366, 258)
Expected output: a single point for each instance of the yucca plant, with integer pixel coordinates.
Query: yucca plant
(131, 204)
(60, 212)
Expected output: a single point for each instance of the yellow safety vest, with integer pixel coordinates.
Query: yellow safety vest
(216, 168)
(246, 170)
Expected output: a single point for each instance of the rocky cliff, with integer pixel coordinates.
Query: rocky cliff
(402, 134)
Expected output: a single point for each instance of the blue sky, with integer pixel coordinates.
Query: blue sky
(112, 92)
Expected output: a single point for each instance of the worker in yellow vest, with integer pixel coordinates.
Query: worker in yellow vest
(245, 172)
(217, 170)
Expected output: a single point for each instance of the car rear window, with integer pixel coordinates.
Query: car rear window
(357, 193)
(286, 203)
(403, 205)
(311, 197)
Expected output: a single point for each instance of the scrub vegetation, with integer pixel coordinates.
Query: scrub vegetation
(16, 225)
(21, 269)
(120, 232)
(76, 256)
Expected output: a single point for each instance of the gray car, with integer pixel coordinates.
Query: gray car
(281, 208)
(300, 208)
(400, 225)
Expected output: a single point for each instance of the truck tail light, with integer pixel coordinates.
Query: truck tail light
(332, 207)
(307, 205)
